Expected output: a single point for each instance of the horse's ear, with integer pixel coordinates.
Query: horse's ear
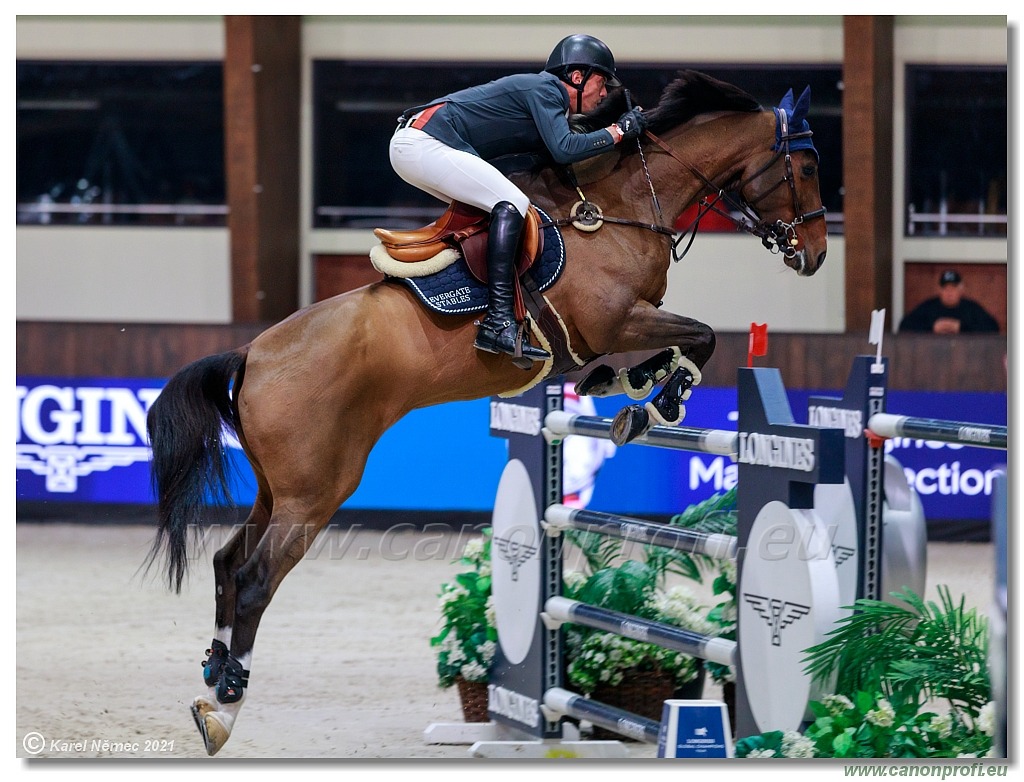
(787, 102)
(803, 105)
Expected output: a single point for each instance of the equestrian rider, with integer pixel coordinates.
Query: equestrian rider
(442, 147)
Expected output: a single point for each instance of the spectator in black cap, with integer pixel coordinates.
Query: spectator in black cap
(949, 312)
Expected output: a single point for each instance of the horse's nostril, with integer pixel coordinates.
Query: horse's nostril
(821, 260)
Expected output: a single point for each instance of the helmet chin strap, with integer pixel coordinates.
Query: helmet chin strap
(580, 87)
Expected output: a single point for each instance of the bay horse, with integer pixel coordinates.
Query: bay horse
(309, 397)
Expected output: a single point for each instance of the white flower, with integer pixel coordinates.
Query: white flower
(452, 593)
(474, 672)
(882, 716)
(796, 745)
(490, 615)
(486, 651)
(574, 579)
(986, 721)
(942, 725)
(456, 656)
(762, 753)
(727, 568)
(836, 704)
(474, 548)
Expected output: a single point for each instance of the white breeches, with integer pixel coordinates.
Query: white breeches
(450, 174)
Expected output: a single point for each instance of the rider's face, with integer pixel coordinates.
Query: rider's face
(594, 91)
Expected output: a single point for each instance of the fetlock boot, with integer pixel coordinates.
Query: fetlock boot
(498, 332)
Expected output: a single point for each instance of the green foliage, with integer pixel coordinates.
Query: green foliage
(869, 726)
(467, 641)
(909, 653)
(626, 588)
(717, 514)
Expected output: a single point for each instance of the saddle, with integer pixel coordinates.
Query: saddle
(463, 228)
(451, 278)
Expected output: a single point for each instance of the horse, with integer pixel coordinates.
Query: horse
(309, 397)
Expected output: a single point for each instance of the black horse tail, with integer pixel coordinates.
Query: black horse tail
(189, 461)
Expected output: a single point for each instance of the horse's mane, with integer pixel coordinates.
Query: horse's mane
(690, 94)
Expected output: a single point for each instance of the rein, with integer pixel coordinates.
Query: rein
(777, 237)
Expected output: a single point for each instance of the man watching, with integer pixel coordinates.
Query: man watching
(949, 312)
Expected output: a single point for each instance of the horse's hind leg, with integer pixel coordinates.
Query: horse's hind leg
(286, 540)
(226, 563)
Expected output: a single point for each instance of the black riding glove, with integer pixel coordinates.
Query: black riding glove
(632, 124)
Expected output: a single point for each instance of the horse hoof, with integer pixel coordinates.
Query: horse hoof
(211, 726)
(601, 382)
(629, 423)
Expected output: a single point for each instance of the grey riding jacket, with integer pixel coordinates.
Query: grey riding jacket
(522, 113)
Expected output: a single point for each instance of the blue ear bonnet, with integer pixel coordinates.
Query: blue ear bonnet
(796, 117)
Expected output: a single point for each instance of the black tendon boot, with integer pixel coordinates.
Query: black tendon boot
(498, 331)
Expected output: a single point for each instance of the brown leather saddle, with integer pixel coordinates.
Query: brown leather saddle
(464, 228)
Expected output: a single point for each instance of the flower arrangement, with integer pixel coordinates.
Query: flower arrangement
(597, 658)
(889, 661)
(869, 726)
(467, 641)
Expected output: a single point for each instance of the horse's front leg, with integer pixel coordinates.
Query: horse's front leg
(691, 344)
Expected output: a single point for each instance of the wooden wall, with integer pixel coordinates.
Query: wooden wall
(811, 361)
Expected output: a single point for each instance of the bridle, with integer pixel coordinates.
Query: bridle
(777, 237)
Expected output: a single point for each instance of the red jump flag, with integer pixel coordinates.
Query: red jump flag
(758, 342)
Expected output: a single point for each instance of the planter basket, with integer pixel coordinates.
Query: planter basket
(474, 700)
(641, 692)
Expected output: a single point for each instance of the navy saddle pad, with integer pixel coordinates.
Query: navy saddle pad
(455, 291)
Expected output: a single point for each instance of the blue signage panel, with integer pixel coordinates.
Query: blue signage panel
(84, 440)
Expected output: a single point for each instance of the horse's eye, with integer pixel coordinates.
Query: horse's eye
(809, 170)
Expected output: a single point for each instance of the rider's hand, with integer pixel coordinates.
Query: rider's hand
(632, 124)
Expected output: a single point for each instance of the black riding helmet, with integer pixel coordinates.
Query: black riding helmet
(586, 53)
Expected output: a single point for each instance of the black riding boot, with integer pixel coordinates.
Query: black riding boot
(498, 331)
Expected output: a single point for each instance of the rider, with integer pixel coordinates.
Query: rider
(442, 147)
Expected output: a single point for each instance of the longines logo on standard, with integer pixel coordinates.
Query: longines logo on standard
(773, 450)
(518, 419)
(777, 613)
(850, 421)
(515, 552)
(71, 432)
(513, 705)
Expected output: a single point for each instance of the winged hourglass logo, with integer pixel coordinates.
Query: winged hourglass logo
(514, 552)
(777, 613)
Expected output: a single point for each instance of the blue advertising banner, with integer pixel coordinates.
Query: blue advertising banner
(954, 481)
(84, 440)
